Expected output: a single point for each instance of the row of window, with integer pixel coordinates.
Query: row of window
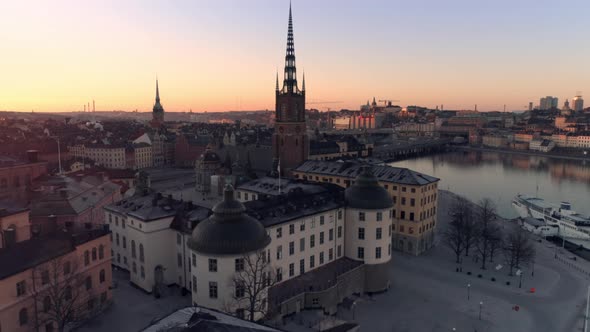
(421, 229)
(361, 252)
(378, 233)
(279, 230)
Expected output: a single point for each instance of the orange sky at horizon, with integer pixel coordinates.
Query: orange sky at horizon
(60, 56)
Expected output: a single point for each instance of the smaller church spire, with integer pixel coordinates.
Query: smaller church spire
(303, 84)
(277, 87)
(157, 92)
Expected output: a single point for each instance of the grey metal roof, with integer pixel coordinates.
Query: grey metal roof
(366, 193)
(270, 186)
(390, 174)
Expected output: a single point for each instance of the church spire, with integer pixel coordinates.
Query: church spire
(277, 87)
(157, 92)
(290, 80)
(303, 83)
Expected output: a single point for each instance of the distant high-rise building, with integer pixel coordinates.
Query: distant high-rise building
(158, 110)
(290, 142)
(548, 103)
(530, 106)
(578, 103)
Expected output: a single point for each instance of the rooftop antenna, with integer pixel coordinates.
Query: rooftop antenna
(93, 109)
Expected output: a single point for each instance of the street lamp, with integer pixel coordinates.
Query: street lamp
(468, 291)
(480, 305)
(519, 274)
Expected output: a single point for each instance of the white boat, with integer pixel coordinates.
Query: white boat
(571, 224)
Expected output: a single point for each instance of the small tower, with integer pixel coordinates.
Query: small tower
(206, 166)
(158, 110)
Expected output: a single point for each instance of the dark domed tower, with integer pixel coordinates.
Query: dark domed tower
(158, 110)
(290, 142)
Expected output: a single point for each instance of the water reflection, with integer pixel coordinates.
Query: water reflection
(501, 176)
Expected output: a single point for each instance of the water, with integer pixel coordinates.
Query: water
(500, 177)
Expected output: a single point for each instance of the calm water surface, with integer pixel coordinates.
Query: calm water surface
(500, 177)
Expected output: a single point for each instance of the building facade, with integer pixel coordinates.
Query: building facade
(290, 142)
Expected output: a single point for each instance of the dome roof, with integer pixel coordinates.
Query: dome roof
(229, 231)
(366, 193)
(209, 156)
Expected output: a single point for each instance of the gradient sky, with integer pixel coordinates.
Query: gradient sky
(221, 55)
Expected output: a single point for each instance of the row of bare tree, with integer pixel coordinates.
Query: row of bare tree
(476, 228)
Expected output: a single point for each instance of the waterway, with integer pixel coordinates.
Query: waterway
(501, 176)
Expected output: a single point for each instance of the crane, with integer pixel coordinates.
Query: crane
(387, 101)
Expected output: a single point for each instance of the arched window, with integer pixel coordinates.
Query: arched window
(141, 252)
(102, 276)
(68, 293)
(88, 283)
(100, 252)
(46, 304)
(86, 257)
(133, 254)
(134, 268)
(93, 254)
(23, 316)
(142, 272)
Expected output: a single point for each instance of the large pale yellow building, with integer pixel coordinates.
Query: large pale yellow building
(414, 196)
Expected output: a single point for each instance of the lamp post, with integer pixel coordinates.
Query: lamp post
(468, 291)
(480, 305)
(56, 138)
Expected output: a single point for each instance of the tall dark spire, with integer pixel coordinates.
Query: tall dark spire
(277, 87)
(303, 83)
(157, 92)
(290, 80)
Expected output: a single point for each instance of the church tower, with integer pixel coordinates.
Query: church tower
(290, 142)
(158, 110)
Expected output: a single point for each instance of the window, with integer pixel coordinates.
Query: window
(413, 190)
(378, 233)
(331, 254)
(379, 216)
(390, 230)
(291, 270)
(339, 250)
(279, 274)
(312, 241)
(100, 251)
(67, 268)
(102, 276)
(302, 227)
(302, 244)
(361, 216)
(21, 288)
(239, 264)
(141, 252)
(279, 252)
(240, 313)
(361, 233)
(321, 258)
(88, 282)
(143, 273)
(292, 229)
(378, 252)
(403, 201)
(123, 223)
(194, 284)
(360, 253)
(412, 216)
(279, 232)
(194, 258)
(179, 260)
(291, 248)
(23, 317)
(312, 262)
(301, 266)
(321, 220)
(178, 239)
(240, 290)
(402, 215)
(46, 304)
(312, 223)
(94, 255)
(118, 258)
(403, 189)
(339, 231)
(321, 237)
(412, 202)
(212, 289)
(339, 214)
(212, 265)
(124, 242)
(134, 268)
(44, 277)
(86, 257)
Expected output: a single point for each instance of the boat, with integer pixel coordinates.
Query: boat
(571, 225)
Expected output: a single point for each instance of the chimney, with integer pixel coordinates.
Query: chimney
(32, 156)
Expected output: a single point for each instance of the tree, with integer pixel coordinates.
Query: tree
(251, 282)
(518, 249)
(486, 230)
(455, 234)
(63, 295)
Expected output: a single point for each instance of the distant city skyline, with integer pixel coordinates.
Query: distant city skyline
(224, 55)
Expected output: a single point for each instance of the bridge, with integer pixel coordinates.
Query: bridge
(404, 149)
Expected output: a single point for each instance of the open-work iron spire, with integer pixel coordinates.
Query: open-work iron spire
(290, 80)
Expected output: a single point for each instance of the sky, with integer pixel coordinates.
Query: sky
(218, 55)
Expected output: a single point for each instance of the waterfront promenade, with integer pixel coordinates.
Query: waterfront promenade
(568, 156)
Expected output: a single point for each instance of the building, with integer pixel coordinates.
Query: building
(142, 156)
(109, 156)
(290, 143)
(46, 278)
(549, 102)
(17, 176)
(312, 232)
(543, 145)
(494, 141)
(158, 110)
(414, 194)
(578, 103)
(206, 166)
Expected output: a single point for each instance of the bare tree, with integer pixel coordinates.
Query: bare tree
(251, 282)
(518, 249)
(63, 295)
(486, 231)
(455, 234)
